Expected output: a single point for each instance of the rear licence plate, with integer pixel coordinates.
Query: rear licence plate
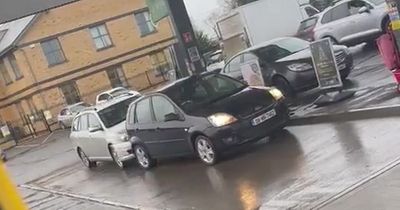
(264, 117)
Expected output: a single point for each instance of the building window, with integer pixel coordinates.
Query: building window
(160, 63)
(144, 23)
(5, 76)
(100, 37)
(14, 66)
(117, 77)
(53, 52)
(70, 92)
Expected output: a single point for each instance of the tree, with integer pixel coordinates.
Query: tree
(205, 42)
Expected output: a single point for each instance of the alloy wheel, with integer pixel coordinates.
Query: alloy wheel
(116, 159)
(142, 157)
(206, 151)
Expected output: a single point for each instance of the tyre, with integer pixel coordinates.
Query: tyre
(85, 160)
(114, 155)
(143, 157)
(283, 85)
(206, 150)
(333, 41)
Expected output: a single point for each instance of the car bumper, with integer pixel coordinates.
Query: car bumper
(308, 79)
(124, 151)
(244, 132)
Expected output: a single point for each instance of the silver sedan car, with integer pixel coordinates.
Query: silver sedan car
(68, 113)
(99, 133)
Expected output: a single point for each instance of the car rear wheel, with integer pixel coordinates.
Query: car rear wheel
(143, 158)
(283, 85)
(85, 160)
(116, 159)
(206, 150)
(333, 40)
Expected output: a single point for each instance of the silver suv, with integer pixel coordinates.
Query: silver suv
(99, 134)
(352, 21)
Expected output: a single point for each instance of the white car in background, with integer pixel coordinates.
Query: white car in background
(216, 61)
(113, 93)
(352, 22)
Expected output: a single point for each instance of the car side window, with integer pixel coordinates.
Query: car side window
(103, 97)
(234, 65)
(327, 17)
(93, 121)
(162, 107)
(249, 57)
(83, 123)
(355, 5)
(340, 12)
(131, 114)
(63, 112)
(75, 124)
(143, 112)
(311, 11)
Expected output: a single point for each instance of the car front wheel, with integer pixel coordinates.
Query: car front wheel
(143, 157)
(206, 150)
(116, 159)
(85, 160)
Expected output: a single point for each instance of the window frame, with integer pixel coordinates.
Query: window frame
(136, 122)
(4, 72)
(76, 89)
(101, 36)
(153, 28)
(12, 60)
(64, 59)
(117, 70)
(176, 111)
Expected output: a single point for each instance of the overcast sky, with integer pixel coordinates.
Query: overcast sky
(199, 11)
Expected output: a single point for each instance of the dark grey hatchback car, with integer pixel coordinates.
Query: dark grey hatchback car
(204, 115)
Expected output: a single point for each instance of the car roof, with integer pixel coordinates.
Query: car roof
(261, 45)
(112, 90)
(104, 105)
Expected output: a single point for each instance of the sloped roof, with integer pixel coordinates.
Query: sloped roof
(12, 31)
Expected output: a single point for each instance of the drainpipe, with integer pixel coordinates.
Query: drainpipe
(34, 78)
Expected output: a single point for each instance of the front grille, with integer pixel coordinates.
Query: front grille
(340, 57)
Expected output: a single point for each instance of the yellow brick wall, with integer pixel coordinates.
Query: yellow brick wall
(89, 87)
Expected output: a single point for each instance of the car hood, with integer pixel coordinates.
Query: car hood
(118, 129)
(305, 54)
(240, 104)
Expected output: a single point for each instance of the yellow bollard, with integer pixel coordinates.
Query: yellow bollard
(9, 196)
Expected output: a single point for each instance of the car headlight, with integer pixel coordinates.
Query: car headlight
(299, 66)
(221, 119)
(124, 137)
(276, 93)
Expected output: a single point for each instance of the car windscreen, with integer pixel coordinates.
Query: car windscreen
(281, 48)
(116, 113)
(196, 92)
(79, 107)
(306, 24)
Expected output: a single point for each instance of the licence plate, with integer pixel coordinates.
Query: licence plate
(342, 66)
(264, 117)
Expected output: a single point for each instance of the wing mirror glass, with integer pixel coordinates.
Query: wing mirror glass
(363, 9)
(172, 117)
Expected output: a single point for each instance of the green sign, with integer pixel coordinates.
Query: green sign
(158, 10)
(325, 64)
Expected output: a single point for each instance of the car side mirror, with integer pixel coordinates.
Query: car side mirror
(363, 9)
(172, 117)
(95, 129)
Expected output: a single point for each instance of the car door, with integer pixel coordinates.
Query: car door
(82, 137)
(232, 69)
(337, 23)
(97, 141)
(144, 127)
(171, 127)
(365, 22)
